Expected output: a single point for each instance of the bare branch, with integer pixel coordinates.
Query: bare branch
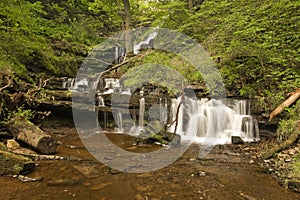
(10, 81)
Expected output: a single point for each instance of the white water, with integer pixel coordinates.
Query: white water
(212, 122)
(142, 112)
(100, 101)
(119, 120)
(137, 47)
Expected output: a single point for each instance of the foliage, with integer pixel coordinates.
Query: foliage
(296, 166)
(256, 44)
(50, 37)
(21, 112)
(161, 68)
(290, 124)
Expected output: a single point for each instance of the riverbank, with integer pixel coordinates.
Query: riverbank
(228, 172)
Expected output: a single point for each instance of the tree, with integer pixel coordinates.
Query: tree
(128, 38)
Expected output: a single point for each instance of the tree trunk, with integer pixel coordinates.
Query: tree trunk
(128, 38)
(293, 96)
(32, 135)
(191, 4)
(271, 152)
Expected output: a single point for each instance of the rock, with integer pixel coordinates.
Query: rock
(251, 162)
(63, 182)
(294, 185)
(201, 173)
(12, 144)
(237, 140)
(141, 188)
(12, 164)
(71, 146)
(100, 186)
(88, 170)
(139, 197)
(28, 179)
(2, 146)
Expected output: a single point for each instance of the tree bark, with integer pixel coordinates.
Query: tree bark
(293, 96)
(128, 38)
(191, 4)
(271, 152)
(32, 135)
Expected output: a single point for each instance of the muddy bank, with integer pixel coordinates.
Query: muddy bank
(226, 173)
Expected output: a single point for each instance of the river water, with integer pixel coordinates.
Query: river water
(225, 173)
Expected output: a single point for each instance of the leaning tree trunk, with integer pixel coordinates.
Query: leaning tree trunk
(290, 141)
(293, 96)
(32, 135)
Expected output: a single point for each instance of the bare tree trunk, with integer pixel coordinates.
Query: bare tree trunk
(191, 4)
(128, 38)
(291, 140)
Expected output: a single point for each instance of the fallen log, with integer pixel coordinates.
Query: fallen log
(293, 96)
(12, 164)
(32, 135)
(287, 143)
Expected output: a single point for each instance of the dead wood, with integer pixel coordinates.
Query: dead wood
(287, 143)
(293, 96)
(32, 135)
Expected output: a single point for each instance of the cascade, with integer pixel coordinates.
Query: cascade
(147, 42)
(68, 83)
(142, 112)
(119, 120)
(100, 101)
(212, 122)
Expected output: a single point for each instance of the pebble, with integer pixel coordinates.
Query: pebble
(100, 186)
(200, 173)
(251, 162)
(71, 146)
(139, 197)
(12, 144)
(192, 159)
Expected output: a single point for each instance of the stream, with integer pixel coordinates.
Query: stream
(225, 173)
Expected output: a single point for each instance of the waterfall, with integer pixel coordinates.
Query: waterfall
(94, 83)
(68, 83)
(119, 119)
(142, 112)
(100, 101)
(147, 42)
(212, 122)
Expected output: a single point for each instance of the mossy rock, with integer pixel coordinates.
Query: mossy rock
(12, 164)
(2, 146)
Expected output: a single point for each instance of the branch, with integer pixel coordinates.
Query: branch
(121, 64)
(41, 85)
(8, 84)
(177, 116)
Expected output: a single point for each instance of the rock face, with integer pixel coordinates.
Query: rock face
(12, 164)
